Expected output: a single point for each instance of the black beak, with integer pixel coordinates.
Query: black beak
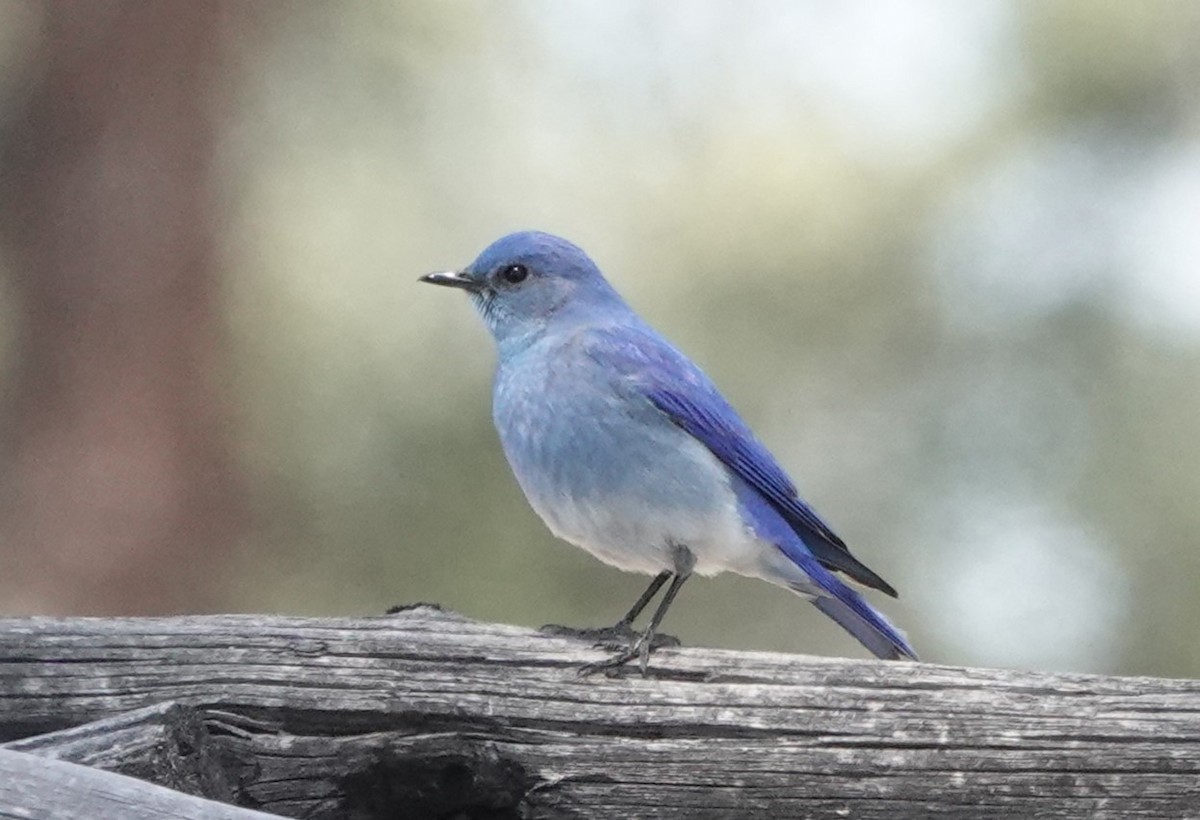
(452, 279)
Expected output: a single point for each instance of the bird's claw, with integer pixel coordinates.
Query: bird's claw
(609, 666)
(638, 650)
(619, 636)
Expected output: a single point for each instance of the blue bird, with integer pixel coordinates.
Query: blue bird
(625, 448)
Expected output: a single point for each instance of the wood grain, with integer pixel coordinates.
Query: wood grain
(33, 787)
(424, 713)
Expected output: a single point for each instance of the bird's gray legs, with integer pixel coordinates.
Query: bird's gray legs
(620, 634)
(647, 596)
(642, 647)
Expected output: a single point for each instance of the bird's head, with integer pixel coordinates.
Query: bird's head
(526, 282)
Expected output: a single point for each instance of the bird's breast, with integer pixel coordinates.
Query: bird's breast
(606, 470)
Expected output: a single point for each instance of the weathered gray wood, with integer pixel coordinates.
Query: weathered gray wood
(165, 744)
(424, 713)
(37, 788)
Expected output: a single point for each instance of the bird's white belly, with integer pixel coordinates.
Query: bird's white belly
(635, 534)
(609, 472)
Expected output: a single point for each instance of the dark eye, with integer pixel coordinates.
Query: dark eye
(514, 274)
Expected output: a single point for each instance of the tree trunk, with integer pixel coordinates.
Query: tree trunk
(119, 488)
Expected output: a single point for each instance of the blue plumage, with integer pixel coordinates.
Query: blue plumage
(624, 447)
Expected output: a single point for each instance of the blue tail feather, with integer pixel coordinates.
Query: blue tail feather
(828, 593)
(854, 614)
(872, 630)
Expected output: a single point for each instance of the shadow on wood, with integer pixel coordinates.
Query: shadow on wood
(426, 714)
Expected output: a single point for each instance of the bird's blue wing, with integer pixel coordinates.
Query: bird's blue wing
(711, 420)
(689, 398)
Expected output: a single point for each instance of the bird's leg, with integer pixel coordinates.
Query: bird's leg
(620, 634)
(640, 604)
(644, 645)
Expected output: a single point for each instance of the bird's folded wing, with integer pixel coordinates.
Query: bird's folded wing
(728, 438)
(690, 400)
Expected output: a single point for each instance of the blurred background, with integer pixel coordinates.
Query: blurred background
(943, 256)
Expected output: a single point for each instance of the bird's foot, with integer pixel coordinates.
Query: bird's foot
(638, 650)
(619, 636)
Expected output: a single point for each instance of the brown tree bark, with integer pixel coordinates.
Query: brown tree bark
(119, 491)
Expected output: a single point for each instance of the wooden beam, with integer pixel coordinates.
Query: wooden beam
(434, 714)
(166, 744)
(32, 787)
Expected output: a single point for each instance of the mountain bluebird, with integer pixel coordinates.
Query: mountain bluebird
(625, 448)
